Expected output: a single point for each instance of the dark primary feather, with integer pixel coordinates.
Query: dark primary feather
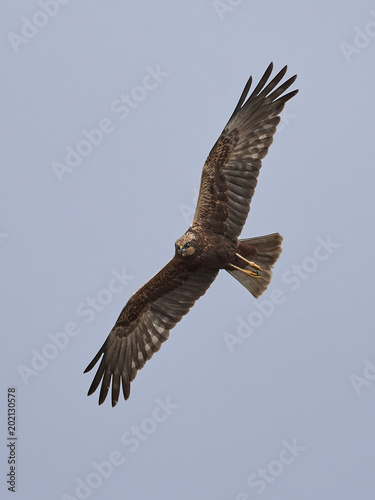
(231, 170)
(144, 324)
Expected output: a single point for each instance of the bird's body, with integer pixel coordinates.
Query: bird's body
(211, 243)
(205, 248)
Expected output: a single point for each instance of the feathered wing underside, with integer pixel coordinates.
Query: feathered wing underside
(144, 324)
(231, 170)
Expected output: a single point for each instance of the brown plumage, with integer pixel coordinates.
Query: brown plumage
(211, 243)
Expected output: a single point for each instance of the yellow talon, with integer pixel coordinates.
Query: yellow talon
(249, 262)
(253, 274)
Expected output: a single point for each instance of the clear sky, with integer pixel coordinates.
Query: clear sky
(109, 110)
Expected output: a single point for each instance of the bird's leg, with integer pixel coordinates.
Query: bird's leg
(251, 264)
(253, 274)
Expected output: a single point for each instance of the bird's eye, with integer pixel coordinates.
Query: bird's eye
(187, 244)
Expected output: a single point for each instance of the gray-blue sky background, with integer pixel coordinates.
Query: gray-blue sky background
(304, 369)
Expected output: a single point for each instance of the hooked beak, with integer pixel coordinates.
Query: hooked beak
(181, 250)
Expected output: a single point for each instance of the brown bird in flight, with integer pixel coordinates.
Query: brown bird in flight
(211, 243)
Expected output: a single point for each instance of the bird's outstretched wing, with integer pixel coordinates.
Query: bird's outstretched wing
(144, 324)
(230, 172)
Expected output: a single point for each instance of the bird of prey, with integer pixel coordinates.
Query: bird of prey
(211, 243)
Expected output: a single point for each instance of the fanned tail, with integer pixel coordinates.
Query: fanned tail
(263, 251)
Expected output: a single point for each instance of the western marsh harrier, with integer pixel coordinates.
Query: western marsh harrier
(211, 243)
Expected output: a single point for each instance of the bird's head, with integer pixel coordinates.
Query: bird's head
(186, 245)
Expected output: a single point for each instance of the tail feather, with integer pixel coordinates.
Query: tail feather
(263, 251)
